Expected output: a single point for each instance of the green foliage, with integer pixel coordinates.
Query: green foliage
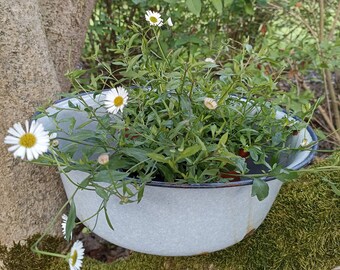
(186, 119)
(196, 23)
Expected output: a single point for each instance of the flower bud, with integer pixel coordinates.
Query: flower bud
(210, 103)
(304, 142)
(103, 159)
(169, 22)
(55, 143)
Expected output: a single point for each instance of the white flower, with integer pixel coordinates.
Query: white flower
(103, 159)
(53, 135)
(210, 103)
(76, 256)
(304, 142)
(154, 18)
(116, 99)
(209, 60)
(55, 143)
(169, 22)
(30, 143)
(63, 225)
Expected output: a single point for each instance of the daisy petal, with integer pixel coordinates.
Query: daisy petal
(19, 129)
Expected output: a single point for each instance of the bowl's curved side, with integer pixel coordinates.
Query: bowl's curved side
(175, 222)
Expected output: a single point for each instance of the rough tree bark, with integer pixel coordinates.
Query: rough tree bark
(39, 42)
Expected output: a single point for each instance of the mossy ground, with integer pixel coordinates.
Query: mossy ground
(302, 232)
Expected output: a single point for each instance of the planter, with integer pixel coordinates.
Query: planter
(178, 220)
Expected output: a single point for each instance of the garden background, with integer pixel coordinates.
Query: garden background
(40, 42)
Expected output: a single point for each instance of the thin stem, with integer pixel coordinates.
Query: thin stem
(160, 47)
(329, 123)
(334, 104)
(322, 19)
(35, 248)
(334, 24)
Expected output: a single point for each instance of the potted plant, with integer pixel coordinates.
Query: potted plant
(183, 155)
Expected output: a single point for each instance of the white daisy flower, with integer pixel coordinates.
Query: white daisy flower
(76, 256)
(169, 22)
(63, 225)
(116, 99)
(210, 103)
(30, 143)
(154, 18)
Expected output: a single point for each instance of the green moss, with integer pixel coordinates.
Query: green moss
(20, 256)
(302, 231)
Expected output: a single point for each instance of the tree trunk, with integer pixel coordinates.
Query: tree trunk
(39, 42)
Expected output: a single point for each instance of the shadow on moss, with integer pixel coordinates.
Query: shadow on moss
(302, 231)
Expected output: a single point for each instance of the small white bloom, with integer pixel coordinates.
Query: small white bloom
(103, 159)
(116, 99)
(30, 143)
(209, 60)
(154, 18)
(210, 103)
(53, 135)
(304, 142)
(169, 22)
(55, 143)
(63, 225)
(76, 256)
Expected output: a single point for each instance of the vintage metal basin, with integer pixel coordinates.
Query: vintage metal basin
(178, 220)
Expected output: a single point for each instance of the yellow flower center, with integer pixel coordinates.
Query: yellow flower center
(28, 140)
(153, 19)
(74, 258)
(118, 101)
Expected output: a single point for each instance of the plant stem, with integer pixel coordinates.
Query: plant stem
(329, 123)
(160, 47)
(335, 21)
(334, 103)
(322, 19)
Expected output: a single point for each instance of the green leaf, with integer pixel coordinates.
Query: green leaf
(140, 193)
(167, 172)
(223, 140)
(138, 154)
(227, 3)
(84, 124)
(85, 182)
(71, 105)
(254, 153)
(108, 219)
(335, 189)
(194, 6)
(249, 8)
(84, 135)
(190, 151)
(132, 62)
(71, 220)
(109, 176)
(260, 189)
(102, 193)
(218, 5)
(158, 157)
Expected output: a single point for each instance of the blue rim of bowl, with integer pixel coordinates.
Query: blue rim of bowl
(238, 183)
